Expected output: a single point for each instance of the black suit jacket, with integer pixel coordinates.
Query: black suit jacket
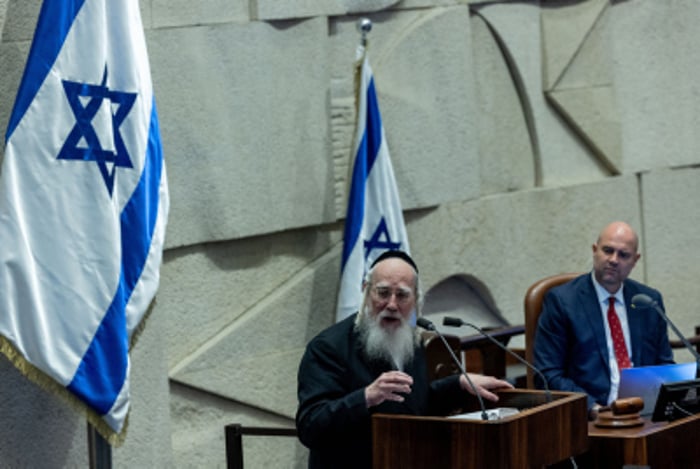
(333, 420)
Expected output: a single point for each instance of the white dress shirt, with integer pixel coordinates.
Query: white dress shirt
(621, 310)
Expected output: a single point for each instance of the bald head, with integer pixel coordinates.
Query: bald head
(622, 230)
(391, 286)
(615, 255)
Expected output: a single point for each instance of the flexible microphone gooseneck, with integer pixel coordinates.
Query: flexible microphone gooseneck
(456, 322)
(427, 325)
(641, 300)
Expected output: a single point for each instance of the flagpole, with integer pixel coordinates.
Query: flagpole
(100, 451)
(364, 25)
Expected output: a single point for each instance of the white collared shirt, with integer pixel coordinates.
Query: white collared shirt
(621, 310)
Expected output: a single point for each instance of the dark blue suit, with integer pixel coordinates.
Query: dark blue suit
(570, 347)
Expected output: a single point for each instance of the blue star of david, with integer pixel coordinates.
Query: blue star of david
(120, 104)
(381, 239)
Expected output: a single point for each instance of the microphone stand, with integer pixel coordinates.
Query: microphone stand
(426, 324)
(642, 300)
(456, 322)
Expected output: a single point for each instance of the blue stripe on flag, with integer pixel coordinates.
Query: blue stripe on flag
(367, 153)
(101, 374)
(55, 20)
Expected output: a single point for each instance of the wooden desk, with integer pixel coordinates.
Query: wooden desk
(666, 445)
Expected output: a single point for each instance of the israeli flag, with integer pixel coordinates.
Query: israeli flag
(374, 221)
(83, 204)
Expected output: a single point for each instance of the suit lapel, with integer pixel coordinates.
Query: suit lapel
(634, 321)
(589, 303)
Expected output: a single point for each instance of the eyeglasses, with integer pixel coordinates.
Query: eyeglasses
(385, 293)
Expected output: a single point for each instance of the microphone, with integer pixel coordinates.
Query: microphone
(427, 325)
(456, 322)
(640, 300)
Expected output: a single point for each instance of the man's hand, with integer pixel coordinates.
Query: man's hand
(483, 385)
(387, 387)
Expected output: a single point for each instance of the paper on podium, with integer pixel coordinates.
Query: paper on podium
(491, 414)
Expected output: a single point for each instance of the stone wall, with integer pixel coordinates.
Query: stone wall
(516, 130)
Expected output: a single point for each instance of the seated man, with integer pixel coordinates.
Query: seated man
(372, 362)
(587, 330)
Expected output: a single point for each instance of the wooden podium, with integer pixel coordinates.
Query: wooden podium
(541, 433)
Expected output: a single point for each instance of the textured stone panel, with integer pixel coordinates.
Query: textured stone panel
(592, 112)
(657, 63)
(508, 161)
(672, 235)
(3, 13)
(289, 9)
(564, 30)
(24, 407)
(342, 138)
(168, 13)
(148, 442)
(462, 297)
(255, 359)
(146, 16)
(583, 91)
(590, 61)
(564, 158)
(208, 288)
(20, 20)
(428, 116)
(431, 117)
(198, 433)
(407, 4)
(508, 241)
(247, 147)
(267, 10)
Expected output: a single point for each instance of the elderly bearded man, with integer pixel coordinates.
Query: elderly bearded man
(369, 363)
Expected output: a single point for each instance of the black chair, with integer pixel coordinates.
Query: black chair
(234, 440)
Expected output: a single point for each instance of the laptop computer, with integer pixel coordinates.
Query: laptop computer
(645, 381)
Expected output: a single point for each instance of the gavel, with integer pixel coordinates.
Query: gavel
(621, 413)
(627, 405)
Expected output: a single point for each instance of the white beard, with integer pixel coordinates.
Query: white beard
(395, 346)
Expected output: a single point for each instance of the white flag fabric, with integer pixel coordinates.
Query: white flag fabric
(374, 221)
(83, 204)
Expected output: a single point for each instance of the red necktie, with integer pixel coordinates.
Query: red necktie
(618, 339)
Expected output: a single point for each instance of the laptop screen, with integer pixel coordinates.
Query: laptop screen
(645, 381)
